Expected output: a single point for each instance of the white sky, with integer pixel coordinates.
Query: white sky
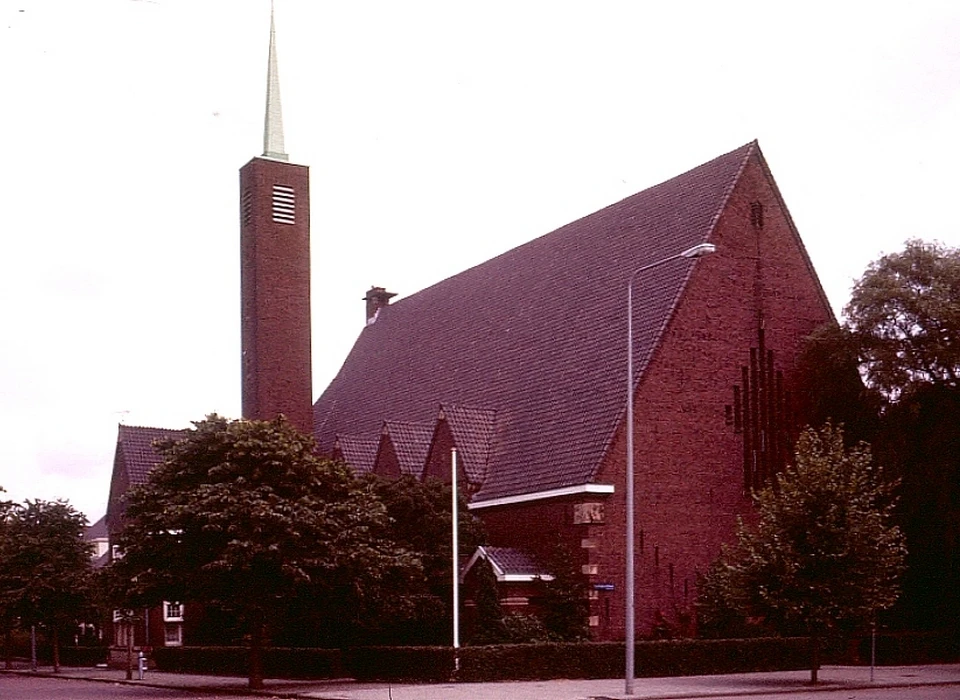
(439, 134)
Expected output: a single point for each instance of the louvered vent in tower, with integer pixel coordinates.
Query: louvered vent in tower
(284, 205)
(246, 207)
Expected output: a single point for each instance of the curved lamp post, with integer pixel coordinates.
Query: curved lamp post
(697, 251)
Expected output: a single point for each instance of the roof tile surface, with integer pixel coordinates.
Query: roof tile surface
(137, 445)
(358, 452)
(411, 442)
(473, 431)
(536, 334)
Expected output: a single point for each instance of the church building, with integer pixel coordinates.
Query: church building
(521, 365)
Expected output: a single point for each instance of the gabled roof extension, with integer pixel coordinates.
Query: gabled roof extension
(472, 430)
(537, 334)
(509, 564)
(410, 441)
(357, 451)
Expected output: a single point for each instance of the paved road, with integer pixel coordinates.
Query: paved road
(23, 687)
(927, 682)
(14, 687)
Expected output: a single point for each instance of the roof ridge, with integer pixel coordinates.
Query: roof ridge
(150, 427)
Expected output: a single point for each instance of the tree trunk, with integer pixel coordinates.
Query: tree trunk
(56, 646)
(130, 629)
(256, 653)
(8, 645)
(815, 656)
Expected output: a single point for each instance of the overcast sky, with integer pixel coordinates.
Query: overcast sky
(438, 134)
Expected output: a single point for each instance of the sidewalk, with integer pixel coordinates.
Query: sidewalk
(787, 682)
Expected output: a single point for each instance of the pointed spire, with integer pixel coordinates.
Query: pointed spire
(273, 121)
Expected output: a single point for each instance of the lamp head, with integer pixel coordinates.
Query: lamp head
(699, 250)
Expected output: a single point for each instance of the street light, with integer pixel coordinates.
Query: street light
(455, 546)
(697, 251)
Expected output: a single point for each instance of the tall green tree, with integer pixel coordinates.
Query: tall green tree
(920, 444)
(241, 515)
(905, 316)
(489, 627)
(47, 567)
(420, 520)
(823, 551)
(7, 586)
(903, 322)
(833, 389)
(565, 604)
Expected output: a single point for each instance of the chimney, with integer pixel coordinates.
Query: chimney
(376, 298)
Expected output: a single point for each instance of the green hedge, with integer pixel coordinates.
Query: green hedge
(69, 655)
(420, 664)
(83, 656)
(681, 657)
(906, 648)
(655, 658)
(496, 662)
(232, 661)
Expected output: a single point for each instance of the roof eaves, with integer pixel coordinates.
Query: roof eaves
(599, 489)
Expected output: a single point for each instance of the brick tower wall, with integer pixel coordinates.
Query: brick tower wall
(275, 292)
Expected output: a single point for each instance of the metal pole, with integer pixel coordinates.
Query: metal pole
(456, 558)
(630, 603)
(630, 612)
(33, 647)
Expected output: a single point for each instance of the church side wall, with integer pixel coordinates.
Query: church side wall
(689, 487)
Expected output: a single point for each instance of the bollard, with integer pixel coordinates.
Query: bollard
(141, 665)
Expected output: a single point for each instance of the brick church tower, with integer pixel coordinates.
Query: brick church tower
(275, 274)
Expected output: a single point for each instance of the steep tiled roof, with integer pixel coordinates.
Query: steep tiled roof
(472, 431)
(536, 334)
(357, 451)
(96, 531)
(411, 441)
(136, 445)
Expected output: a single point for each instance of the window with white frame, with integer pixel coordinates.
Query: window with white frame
(172, 611)
(172, 634)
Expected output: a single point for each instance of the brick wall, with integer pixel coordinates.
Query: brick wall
(275, 291)
(689, 486)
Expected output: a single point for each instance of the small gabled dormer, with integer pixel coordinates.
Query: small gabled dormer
(470, 431)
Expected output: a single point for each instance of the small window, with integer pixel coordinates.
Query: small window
(172, 612)
(173, 634)
(756, 215)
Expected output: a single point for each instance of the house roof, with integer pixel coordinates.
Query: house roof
(535, 334)
(96, 531)
(135, 444)
(509, 564)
